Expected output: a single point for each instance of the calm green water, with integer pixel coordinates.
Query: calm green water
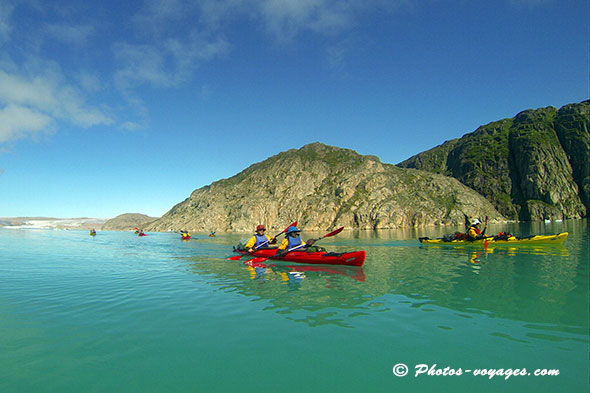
(118, 313)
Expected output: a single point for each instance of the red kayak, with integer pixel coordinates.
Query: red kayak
(355, 258)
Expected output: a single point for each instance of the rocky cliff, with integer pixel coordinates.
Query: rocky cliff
(127, 221)
(323, 187)
(531, 167)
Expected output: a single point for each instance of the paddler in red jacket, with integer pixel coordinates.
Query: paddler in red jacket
(259, 240)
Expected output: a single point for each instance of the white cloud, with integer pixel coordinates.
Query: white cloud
(141, 64)
(281, 18)
(164, 52)
(37, 91)
(31, 105)
(167, 41)
(164, 64)
(17, 122)
(286, 18)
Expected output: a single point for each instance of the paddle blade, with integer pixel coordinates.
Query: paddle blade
(294, 224)
(337, 231)
(234, 258)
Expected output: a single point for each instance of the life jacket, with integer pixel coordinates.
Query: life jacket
(293, 242)
(260, 240)
(477, 232)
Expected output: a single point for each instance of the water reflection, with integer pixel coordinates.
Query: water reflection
(296, 272)
(540, 285)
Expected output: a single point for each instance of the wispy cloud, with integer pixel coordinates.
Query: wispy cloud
(285, 19)
(337, 53)
(88, 81)
(33, 104)
(17, 122)
(158, 13)
(69, 34)
(163, 47)
(6, 10)
(130, 126)
(164, 64)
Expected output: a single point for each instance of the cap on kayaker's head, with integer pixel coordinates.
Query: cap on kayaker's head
(260, 228)
(475, 221)
(293, 230)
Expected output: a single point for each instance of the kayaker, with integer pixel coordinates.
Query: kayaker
(258, 239)
(185, 234)
(473, 232)
(292, 239)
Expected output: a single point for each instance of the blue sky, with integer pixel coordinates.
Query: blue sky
(115, 107)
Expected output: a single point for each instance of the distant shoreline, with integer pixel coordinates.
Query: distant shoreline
(52, 223)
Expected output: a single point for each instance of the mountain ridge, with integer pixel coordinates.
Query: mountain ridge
(323, 187)
(534, 166)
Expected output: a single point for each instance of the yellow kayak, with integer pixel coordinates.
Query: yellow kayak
(511, 240)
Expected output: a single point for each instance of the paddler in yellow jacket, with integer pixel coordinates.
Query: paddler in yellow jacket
(473, 232)
(259, 240)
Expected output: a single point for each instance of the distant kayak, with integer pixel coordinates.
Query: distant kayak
(186, 237)
(510, 240)
(354, 258)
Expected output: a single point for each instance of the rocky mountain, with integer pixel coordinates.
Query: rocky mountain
(127, 221)
(531, 167)
(323, 187)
